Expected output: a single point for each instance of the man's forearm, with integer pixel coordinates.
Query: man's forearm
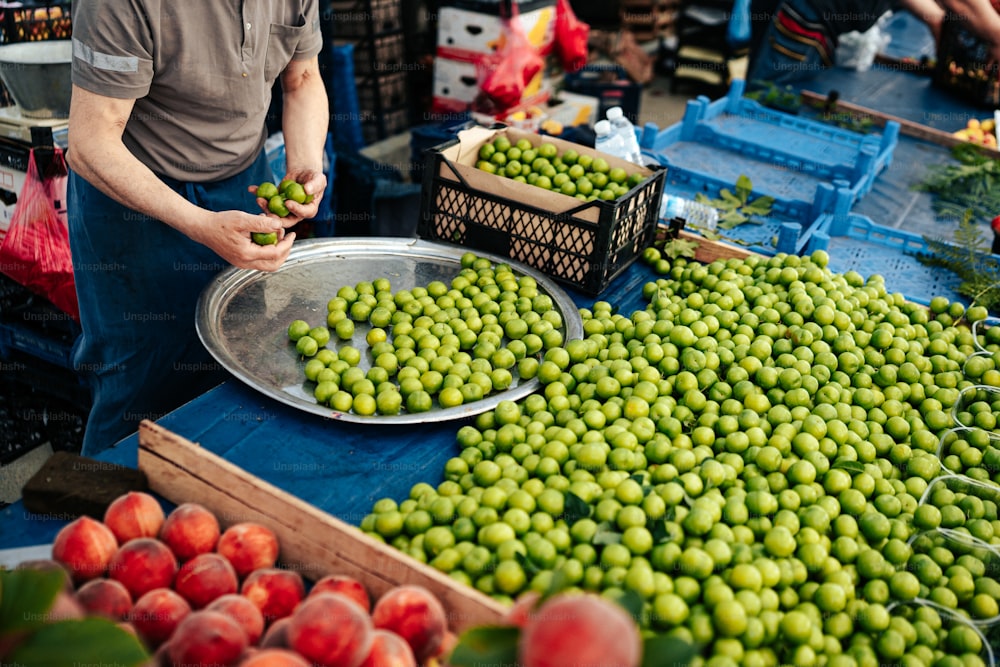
(112, 169)
(305, 122)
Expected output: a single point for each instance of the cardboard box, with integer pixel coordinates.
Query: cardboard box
(585, 244)
(456, 86)
(467, 35)
(571, 109)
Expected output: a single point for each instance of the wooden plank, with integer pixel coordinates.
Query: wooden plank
(312, 542)
(907, 127)
(707, 250)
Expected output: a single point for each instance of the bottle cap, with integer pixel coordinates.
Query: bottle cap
(602, 127)
(614, 113)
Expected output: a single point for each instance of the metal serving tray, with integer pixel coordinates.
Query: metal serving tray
(243, 315)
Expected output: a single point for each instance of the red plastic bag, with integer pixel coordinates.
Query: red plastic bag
(572, 35)
(35, 252)
(505, 74)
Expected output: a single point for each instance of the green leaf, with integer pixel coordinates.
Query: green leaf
(575, 508)
(760, 206)
(701, 198)
(530, 568)
(658, 529)
(26, 597)
(606, 536)
(730, 202)
(731, 219)
(631, 602)
(87, 641)
(487, 645)
(744, 186)
(557, 584)
(853, 467)
(661, 650)
(679, 248)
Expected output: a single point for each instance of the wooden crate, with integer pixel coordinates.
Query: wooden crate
(313, 542)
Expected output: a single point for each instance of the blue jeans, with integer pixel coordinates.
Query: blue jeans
(794, 46)
(138, 281)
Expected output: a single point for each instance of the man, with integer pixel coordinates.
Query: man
(166, 134)
(793, 39)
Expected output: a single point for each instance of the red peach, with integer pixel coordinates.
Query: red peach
(143, 564)
(105, 597)
(156, 615)
(580, 629)
(134, 514)
(46, 564)
(129, 628)
(64, 608)
(389, 650)
(416, 615)
(207, 638)
(189, 530)
(276, 635)
(249, 546)
(341, 583)
(275, 657)
(331, 630)
(523, 609)
(244, 612)
(276, 592)
(204, 578)
(85, 547)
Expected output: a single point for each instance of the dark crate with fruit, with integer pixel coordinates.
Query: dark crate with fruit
(569, 211)
(963, 66)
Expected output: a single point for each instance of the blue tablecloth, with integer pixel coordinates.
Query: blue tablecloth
(342, 468)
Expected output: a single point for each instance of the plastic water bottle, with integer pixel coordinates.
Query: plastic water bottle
(624, 128)
(607, 140)
(698, 214)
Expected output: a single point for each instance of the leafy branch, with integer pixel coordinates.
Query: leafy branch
(736, 208)
(971, 185)
(968, 257)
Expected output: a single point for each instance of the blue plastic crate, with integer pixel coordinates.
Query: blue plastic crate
(15, 337)
(855, 243)
(808, 167)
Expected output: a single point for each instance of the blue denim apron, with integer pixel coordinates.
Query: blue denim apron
(138, 281)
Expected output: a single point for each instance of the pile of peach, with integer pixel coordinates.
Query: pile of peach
(197, 595)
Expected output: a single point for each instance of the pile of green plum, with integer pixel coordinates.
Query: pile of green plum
(582, 176)
(752, 456)
(427, 347)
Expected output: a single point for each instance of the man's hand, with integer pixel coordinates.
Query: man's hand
(314, 183)
(228, 234)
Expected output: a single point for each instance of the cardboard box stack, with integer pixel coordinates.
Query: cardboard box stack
(468, 32)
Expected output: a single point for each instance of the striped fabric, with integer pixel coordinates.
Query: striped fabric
(795, 45)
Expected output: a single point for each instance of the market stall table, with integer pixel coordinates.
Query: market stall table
(340, 467)
(343, 468)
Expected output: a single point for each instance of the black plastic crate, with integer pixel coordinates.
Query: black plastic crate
(32, 325)
(34, 22)
(361, 18)
(379, 55)
(387, 124)
(585, 245)
(381, 92)
(963, 66)
(610, 84)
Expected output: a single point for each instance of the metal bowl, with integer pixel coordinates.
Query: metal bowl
(37, 75)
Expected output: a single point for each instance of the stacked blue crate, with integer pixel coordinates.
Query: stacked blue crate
(855, 243)
(808, 167)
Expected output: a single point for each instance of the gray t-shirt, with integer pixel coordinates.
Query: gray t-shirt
(201, 73)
